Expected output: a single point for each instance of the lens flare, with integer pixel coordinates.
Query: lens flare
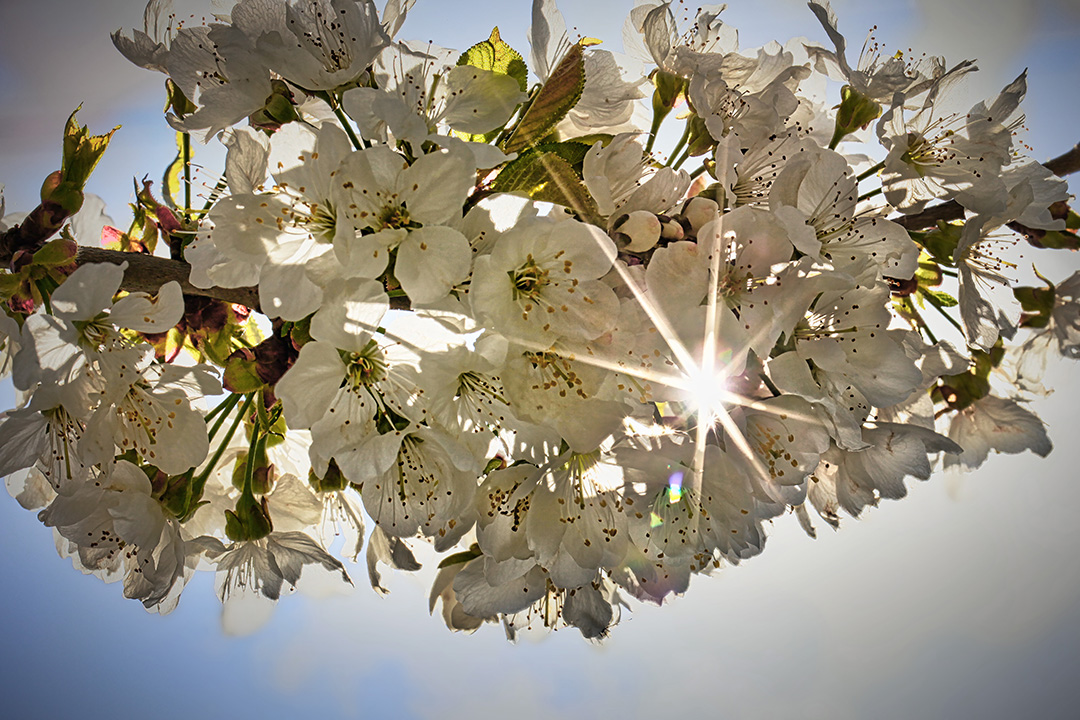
(675, 487)
(706, 392)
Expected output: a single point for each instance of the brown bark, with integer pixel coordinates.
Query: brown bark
(147, 273)
(1064, 164)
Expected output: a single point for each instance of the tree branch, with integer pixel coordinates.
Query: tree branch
(929, 217)
(1064, 164)
(147, 273)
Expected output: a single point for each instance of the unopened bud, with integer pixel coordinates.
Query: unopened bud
(332, 481)
(672, 231)
(699, 211)
(669, 87)
(642, 228)
(855, 111)
(701, 140)
(250, 521)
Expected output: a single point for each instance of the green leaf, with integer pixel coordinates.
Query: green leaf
(552, 102)
(929, 272)
(547, 177)
(57, 253)
(495, 55)
(10, 284)
(1033, 299)
(941, 243)
(593, 138)
(943, 299)
(1038, 305)
(1056, 240)
(82, 151)
(572, 151)
(461, 557)
(241, 374)
(172, 180)
(960, 391)
(1072, 221)
(177, 101)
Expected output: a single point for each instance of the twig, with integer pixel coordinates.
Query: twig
(1064, 164)
(147, 273)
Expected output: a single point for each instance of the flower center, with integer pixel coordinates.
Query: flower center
(528, 280)
(366, 367)
(323, 222)
(394, 216)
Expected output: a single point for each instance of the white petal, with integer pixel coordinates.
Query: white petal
(480, 100)
(351, 311)
(144, 313)
(431, 261)
(310, 385)
(435, 186)
(88, 291)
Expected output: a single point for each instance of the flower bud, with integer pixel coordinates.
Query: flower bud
(669, 88)
(332, 481)
(642, 228)
(672, 231)
(242, 372)
(250, 520)
(699, 211)
(855, 111)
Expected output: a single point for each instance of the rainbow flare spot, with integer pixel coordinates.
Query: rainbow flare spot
(675, 487)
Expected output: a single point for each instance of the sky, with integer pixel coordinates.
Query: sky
(962, 600)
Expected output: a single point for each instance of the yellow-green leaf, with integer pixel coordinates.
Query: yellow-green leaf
(495, 55)
(547, 177)
(58, 252)
(82, 151)
(552, 102)
(172, 181)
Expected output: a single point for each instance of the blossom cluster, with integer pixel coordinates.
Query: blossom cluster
(613, 374)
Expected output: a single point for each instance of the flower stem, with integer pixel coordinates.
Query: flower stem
(941, 309)
(679, 145)
(185, 144)
(769, 384)
(222, 409)
(862, 176)
(919, 318)
(698, 172)
(257, 436)
(200, 480)
(682, 158)
(655, 128)
(868, 195)
(357, 143)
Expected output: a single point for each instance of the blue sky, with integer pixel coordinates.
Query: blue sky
(962, 600)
